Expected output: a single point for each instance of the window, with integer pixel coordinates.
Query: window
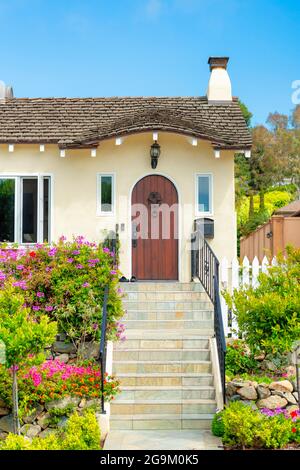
(106, 194)
(204, 194)
(24, 209)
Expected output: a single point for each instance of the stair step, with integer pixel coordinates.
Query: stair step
(178, 334)
(168, 324)
(160, 296)
(166, 379)
(137, 394)
(163, 406)
(168, 315)
(167, 305)
(161, 366)
(161, 286)
(161, 354)
(159, 421)
(165, 344)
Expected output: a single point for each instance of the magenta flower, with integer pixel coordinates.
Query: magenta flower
(20, 267)
(85, 284)
(113, 272)
(40, 294)
(106, 250)
(36, 308)
(76, 252)
(52, 251)
(21, 284)
(62, 238)
(79, 266)
(49, 308)
(95, 326)
(70, 260)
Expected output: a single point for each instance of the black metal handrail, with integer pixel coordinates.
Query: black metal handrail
(102, 352)
(205, 266)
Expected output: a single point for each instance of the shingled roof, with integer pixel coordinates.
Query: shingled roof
(84, 122)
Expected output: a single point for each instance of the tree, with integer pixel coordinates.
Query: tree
(295, 118)
(246, 113)
(277, 121)
(22, 335)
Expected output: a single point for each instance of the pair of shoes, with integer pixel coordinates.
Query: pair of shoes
(124, 279)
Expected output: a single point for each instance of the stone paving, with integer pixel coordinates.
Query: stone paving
(162, 440)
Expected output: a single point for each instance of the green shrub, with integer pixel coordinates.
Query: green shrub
(79, 433)
(245, 427)
(82, 432)
(238, 358)
(273, 433)
(240, 424)
(15, 442)
(217, 425)
(274, 199)
(269, 315)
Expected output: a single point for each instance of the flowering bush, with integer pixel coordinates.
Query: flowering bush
(53, 380)
(241, 426)
(66, 281)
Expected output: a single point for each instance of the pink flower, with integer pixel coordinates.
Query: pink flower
(95, 326)
(79, 266)
(106, 250)
(52, 251)
(62, 238)
(20, 267)
(70, 260)
(21, 284)
(113, 272)
(36, 308)
(49, 308)
(76, 252)
(40, 294)
(85, 284)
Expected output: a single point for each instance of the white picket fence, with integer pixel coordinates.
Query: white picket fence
(234, 275)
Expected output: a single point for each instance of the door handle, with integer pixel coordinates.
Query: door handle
(134, 235)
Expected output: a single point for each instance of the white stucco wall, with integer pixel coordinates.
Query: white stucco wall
(75, 187)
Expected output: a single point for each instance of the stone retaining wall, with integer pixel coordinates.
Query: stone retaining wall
(279, 394)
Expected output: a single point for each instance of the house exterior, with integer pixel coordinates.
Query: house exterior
(82, 166)
(153, 170)
(271, 238)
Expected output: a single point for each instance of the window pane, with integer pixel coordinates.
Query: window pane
(7, 210)
(106, 194)
(29, 216)
(203, 194)
(46, 210)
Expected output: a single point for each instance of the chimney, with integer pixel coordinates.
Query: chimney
(6, 92)
(219, 85)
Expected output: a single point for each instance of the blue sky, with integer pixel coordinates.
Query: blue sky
(151, 48)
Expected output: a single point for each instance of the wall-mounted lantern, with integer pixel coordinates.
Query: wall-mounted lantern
(154, 154)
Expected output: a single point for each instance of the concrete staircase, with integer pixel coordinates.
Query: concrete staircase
(165, 364)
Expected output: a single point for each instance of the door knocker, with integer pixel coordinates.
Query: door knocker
(154, 198)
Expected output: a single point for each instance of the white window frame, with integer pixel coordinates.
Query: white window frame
(113, 190)
(211, 208)
(18, 178)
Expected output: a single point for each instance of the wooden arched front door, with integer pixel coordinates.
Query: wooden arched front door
(155, 229)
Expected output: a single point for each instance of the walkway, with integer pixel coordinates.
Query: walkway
(162, 440)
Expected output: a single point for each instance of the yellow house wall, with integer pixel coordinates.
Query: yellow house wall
(74, 197)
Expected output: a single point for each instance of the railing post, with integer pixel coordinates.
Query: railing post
(102, 352)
